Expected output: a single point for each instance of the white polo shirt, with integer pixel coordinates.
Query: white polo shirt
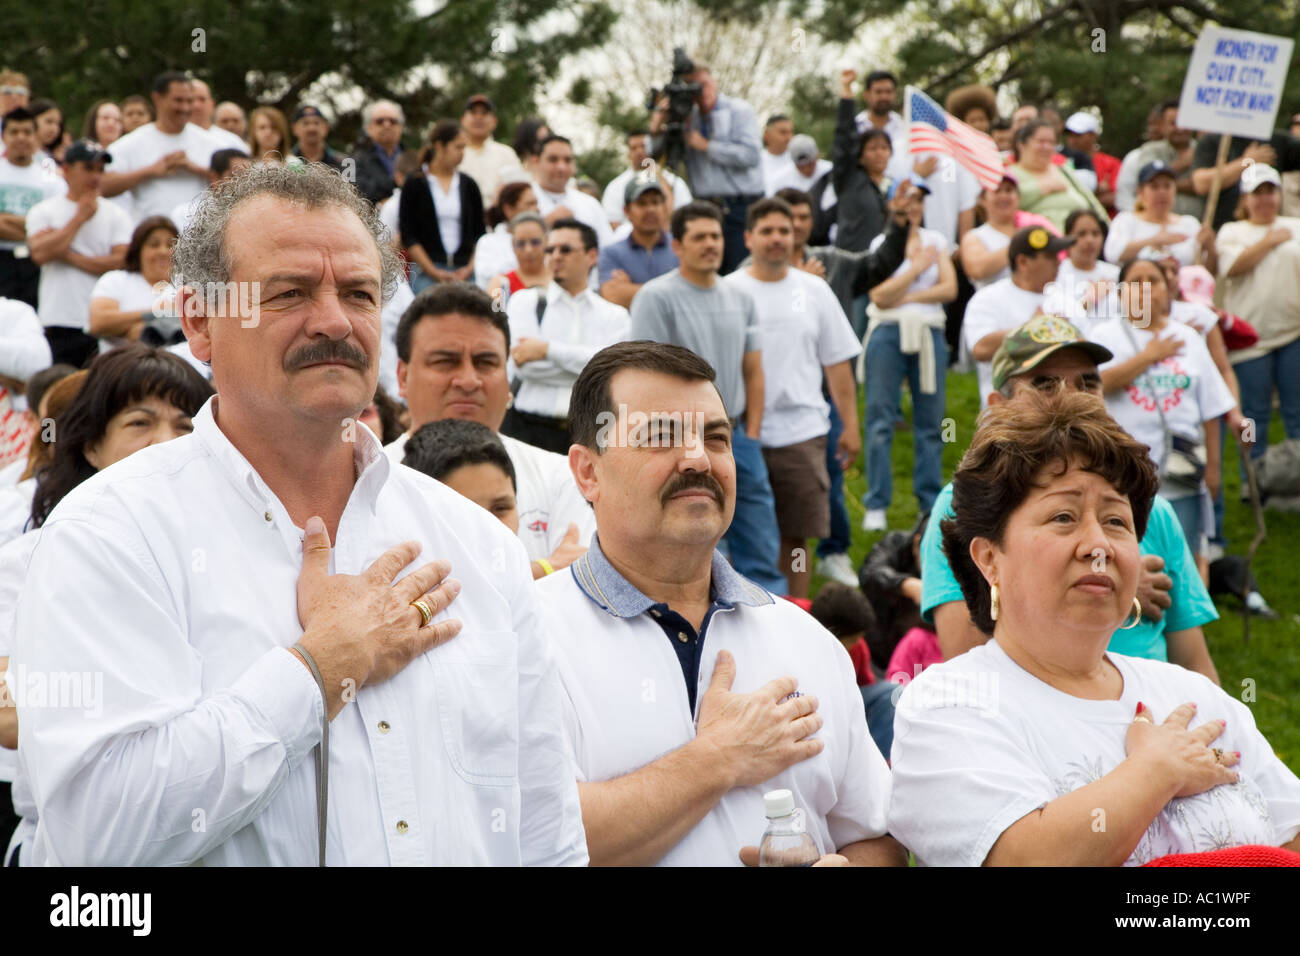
(546, 495)
(173, 574)
(626, 703)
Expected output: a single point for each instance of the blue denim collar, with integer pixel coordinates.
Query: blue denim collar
(615, 595)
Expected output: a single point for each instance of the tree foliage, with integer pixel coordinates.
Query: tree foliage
(272, 51)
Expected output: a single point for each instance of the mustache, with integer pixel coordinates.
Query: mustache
(327, 350)
(686, 482)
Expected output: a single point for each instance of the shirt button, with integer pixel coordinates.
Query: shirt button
(267, 516)
(681, 636)
(383, 727)
(654, 613)
(401, 826)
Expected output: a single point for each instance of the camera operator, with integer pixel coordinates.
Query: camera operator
(722, 155)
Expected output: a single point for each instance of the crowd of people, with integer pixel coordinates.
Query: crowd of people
(312, 379)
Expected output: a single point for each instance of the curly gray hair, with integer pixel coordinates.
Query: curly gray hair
(201, 258)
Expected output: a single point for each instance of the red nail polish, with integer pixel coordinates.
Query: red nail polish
(1139, 710)
(1237, 754)
(1223, 722)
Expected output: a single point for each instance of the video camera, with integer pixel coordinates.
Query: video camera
(681, 100)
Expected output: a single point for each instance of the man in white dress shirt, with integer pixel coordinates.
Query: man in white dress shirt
(452, 347)
(558, 198)
(185, 574)
(555, 331)
(675, 743)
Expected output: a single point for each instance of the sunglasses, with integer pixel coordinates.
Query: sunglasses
(563, 250)
(530, 244)
(386, 120)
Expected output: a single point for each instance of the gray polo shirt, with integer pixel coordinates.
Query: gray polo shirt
(719, 324)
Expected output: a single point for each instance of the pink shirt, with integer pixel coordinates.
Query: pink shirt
(918, 650)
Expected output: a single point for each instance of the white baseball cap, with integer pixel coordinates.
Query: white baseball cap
(1081, 123)
(1256, 175)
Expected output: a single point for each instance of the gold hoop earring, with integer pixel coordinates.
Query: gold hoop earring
(1137, 610)
(994, 604)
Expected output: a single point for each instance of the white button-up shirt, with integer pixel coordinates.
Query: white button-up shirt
(546, 496)
(173, 575)
(626, 703)
(575, 328)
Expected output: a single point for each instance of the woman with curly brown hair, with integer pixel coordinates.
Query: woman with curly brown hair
(1040, 747)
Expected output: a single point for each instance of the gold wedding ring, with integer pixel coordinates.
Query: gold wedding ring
(426, 612)
(1143, 717)
(1218, 754)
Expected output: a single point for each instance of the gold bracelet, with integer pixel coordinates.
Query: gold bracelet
(545, 566)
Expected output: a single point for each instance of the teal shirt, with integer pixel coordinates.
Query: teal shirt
(1191, 605)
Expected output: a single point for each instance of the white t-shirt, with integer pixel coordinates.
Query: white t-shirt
(980, 743)
(131, 293)
(999, 307)
(791, 178)
(144, 147)
(488, 165)
(1200, 317)
(225, 139)
(773, 168)
(1126, 227)
(494, 254)
(992, 239)
(1072, 294)
(1187, 386)
(65, 290)
(802, 318)
(23, 187)
(547, 497)
(953, 190)
(928, 278)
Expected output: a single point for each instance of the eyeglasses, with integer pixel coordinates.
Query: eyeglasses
(530, 244)
(563, 250)
(13, 91)
(386, 120)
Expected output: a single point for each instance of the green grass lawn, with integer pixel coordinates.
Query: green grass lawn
(1269, 665)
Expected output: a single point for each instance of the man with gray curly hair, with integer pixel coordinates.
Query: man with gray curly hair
(249, 594)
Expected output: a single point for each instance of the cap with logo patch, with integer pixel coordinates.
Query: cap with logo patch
(1033, 240)
(1029, 345)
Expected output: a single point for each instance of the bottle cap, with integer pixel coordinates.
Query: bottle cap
(778, 803)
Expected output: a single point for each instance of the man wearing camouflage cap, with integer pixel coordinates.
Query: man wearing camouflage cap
(1047, 353)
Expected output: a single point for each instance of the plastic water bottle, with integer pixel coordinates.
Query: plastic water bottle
(785, 841)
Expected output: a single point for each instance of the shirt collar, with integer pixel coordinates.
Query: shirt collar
(617, 596)
(556, 293)
(371, 464)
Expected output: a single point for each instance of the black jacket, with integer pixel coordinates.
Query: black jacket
(373, 180)
(862, 208)
(417, 220)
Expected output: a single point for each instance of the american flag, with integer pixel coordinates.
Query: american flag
(930, 129)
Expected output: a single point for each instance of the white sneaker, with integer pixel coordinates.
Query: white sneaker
(874, 520)
(839, 568)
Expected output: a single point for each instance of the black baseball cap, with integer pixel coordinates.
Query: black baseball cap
(1033, 240)
(303, 111)
(1151, 170)
(86, 151)
(480, 99)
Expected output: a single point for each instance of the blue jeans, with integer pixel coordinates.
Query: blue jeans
(886, 367)
(1189, 512)
(878, 699)
(1278, 369)
(753, 540)
(858, 315)
(838, 540)
(420, 280)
